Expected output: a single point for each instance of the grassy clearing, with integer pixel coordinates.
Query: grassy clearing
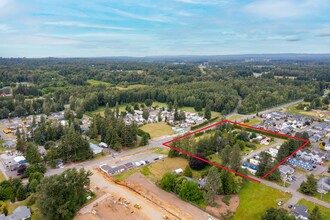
(136, 86)
(158, 129)
(123, 176)
(253, 121)
(255, 199)
(97, 82)
(158, 169)
(325, 197)
(235, 117)
(2, 176)
(324, 211)
(161, 150)
(215, 158)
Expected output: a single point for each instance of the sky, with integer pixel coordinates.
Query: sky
(97, 28)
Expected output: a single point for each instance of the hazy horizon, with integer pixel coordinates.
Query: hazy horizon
(101, 28)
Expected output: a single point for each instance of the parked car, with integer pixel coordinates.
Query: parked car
(280, 203)
(290, 206)
(147, 162)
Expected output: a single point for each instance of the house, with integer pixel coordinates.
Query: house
(327, 146)
(105, 168)
(300, 212)
(129, 165)
(95, 149)
(102, 144)
(254, 161)
(285, 170)
(265, 141)
(9, 144)
(42, 150)
(20, 213)
(314, 139)
(114, 170)
(201, 183)
(20, 159)
(323, 185)
(178, 171)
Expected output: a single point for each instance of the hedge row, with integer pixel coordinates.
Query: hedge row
(195, 127)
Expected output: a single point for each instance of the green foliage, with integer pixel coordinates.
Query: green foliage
(60, 196)
(32, 154)
(309, 187)
(273, 213)
(189, 191)
(207, 112)
(168, 181)
(144, 140)
(21, 193)
(3, 208)
(315, 214)
(213, 185)
(187, 172)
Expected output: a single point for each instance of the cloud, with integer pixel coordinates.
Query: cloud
(290, 38)
(158, 18)
(283, 8)
(86, 25)
(203, 2)
(323, 35)
(5, 29)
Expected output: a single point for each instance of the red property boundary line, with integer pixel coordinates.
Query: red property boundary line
(167, 144)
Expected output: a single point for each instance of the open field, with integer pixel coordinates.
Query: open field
(161, 150)
(158, 129)
(158, 169)
(97, 82)
(136, 86)
(314, 113)
(254, 121)
(2, 177)
(325, 197)
(324, 211)
(256, 198)
(235, 117)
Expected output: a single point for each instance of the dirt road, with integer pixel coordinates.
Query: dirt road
(148, 210)
(180, 208)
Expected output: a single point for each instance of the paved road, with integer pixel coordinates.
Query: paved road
(294, 193)
(92, 163)
(268, 110)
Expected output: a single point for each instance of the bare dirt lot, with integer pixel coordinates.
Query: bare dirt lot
(170, 201)
(222, 208)
(107, 210)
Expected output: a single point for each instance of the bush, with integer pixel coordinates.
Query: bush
(195, 127)
(31, 200)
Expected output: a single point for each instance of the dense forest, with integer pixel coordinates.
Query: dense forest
(32, 86)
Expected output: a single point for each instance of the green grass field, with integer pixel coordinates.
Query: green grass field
(253, 121)
(136, 86)
(324, 211)
(158, 129)
(235, 117)
(96, 82)
(325, 197)
(2, 176)
(256, 198)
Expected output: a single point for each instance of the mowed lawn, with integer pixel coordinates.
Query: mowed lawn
(256, 198)
(254, 121)
(158, 129)
(310, 205)
(2, 176)
(159, 168)
(235, 117)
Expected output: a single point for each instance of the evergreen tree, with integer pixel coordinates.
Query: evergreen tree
(187, 172)
(309, 187)
(32, 154)
(207, 112)
(235, 158)
(315, 214)
(145, 114)
(213, 185)
(21, 193)
(145, 140)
